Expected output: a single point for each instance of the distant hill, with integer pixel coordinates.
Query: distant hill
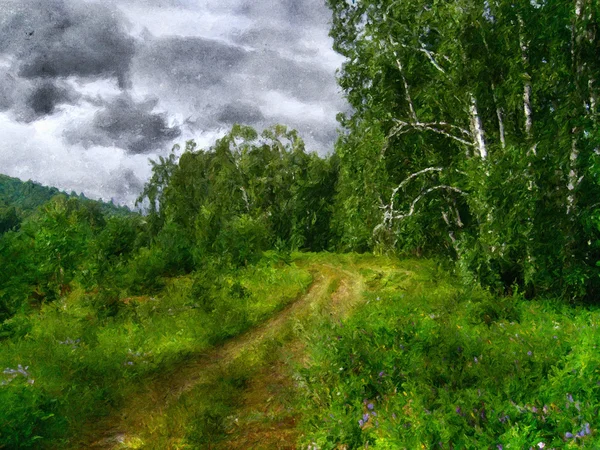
(19, 199)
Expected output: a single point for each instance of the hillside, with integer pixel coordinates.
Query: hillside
(19, 199)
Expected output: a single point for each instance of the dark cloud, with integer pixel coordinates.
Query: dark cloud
(302, 81)
(29, 100)
(57, 38)
(7, 89)
(189, 60)
(287, 13)
(127, 183)
(214, 62)
(127, 124)
(44, 99)
(243, 113)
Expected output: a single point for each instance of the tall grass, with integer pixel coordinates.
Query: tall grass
(74, 360)
(427, 363)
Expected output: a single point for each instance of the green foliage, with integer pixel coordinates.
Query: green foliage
(243, 195)
(498, 102)
(84, 353)
(27, 196)
(426, 363)
(9, 220)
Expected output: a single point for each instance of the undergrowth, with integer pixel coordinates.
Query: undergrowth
(79, 357)
(427, 363)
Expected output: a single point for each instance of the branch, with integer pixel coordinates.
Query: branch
(429, 55)
(388, 214)
(411, 210)
(436, 127)
(411, 107)
(414, 175)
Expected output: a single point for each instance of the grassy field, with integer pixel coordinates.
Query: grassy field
(71, 362)
(376, 353)
(424, 362)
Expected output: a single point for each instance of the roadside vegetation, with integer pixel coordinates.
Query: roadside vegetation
(427, 362)
(69, 362)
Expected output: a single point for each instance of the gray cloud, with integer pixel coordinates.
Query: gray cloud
(303, 81)
(191, 60)
(44, 99)
(29, 100)
(288, 13)
(240, 112)
(56, 38)
(127, 124)
(84, 65)
(216, 82)
(7, 88)
(128, 184)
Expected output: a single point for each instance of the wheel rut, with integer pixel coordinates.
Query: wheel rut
(264, 417)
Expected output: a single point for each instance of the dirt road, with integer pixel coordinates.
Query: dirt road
(263, 417)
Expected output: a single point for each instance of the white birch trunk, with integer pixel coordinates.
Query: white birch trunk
(527, 88)
(577, 68)
(499, 113)
(477, 129)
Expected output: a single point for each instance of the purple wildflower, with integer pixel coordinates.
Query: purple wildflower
(370, 406)
(381, 374)
(365, 417)
(458, 411)
(529, 353)
(499, 447)
(569, 435)
(360, 423)
(570, 397)
(581, 433)
(587, 429)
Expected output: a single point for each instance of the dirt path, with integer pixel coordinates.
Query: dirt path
(264, 417)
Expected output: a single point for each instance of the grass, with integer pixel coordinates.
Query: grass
(427, 363)
(379, 353)
(79, 364)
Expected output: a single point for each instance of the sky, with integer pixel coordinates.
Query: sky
(89, 91)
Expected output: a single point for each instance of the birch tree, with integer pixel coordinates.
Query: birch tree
(486, 118)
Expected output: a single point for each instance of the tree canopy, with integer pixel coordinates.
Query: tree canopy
(475, 134)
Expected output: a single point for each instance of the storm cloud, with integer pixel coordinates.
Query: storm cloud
(56, 38)
(240, 113)
(101, 86)
(127, 124)
(31, 100)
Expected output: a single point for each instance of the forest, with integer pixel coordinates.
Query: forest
(432, 282)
